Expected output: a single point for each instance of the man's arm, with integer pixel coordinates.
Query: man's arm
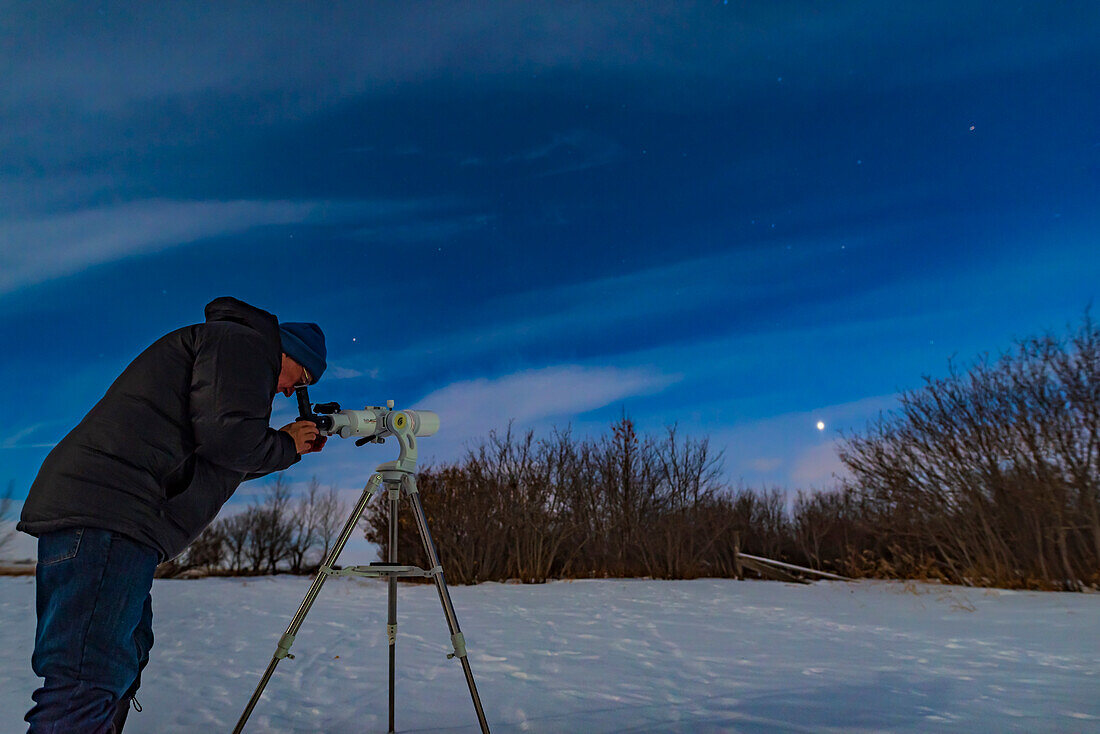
(307, 440)
(231, 388)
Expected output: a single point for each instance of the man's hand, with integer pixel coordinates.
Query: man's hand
(306, 438)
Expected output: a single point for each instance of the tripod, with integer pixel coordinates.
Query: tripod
(397, 479)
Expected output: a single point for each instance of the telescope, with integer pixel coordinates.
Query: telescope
(372, 424)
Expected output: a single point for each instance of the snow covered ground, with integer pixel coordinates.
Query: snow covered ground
(609, 656)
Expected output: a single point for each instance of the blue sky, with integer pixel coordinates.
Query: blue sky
(743, 218)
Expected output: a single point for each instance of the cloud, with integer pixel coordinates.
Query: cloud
(787, 449)
(142, 51)
(428, 230)
(13, 440)
(817, 466)
(765, 465)
(734, 282)
(41, 249)
(576, 150)
(16, 440)
(564, 152)
(551, 392)
(335, 372)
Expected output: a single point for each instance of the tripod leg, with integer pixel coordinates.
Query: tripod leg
(457, 639)
(391, 626)
(283, 649)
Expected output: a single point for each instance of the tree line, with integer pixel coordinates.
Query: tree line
(620, 505)
(988, 476)
(279, 532)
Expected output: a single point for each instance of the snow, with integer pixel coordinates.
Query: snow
(608, 656)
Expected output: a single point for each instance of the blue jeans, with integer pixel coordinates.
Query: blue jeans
(94, 631)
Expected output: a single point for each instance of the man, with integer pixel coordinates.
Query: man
(136, 481)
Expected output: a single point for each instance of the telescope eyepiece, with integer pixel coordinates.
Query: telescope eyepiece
(304, 413)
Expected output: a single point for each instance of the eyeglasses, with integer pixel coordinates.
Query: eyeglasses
(307, 379)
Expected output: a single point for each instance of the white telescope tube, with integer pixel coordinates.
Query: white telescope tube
(348, 423)
(381, 422)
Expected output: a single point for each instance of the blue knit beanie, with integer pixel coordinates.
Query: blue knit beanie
(305, 344)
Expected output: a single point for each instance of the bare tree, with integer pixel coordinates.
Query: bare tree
(207, 552)
(527, 509)
(303, 523)
(255, 553)
(331, 514)
(236, 531)
(271, 532)
(683, 531)
(990, 475)
(7, 534)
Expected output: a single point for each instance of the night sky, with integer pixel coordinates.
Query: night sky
(742, 218)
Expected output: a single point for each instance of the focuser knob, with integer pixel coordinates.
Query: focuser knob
(326, 408)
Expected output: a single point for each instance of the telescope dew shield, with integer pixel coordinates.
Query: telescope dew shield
(424, 422)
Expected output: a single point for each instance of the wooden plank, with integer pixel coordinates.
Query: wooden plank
(770, 572)
(801, 569)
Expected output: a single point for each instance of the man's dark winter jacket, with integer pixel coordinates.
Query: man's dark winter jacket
(174, 436)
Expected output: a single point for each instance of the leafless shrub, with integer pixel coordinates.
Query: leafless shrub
(303, 527)
(272, 532)
(990, 476)
(235, 531)
(205, 555)
(520, 508)
(7, 534)
(330, 514)
(278, 532)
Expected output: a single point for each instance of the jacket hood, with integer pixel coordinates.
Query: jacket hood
(228, 308)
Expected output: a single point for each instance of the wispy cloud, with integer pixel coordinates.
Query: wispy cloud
(817, 466)
(575, 150)
(336, 372)
(733, 281)
(41, 249)
(561, 152)
(765, 465)
(156, 50)
(17, 440)
(425, 230)
(562, 391)
(789, 450)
